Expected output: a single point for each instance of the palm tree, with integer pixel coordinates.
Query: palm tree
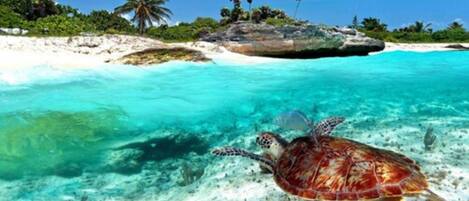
(145, 12)
(250, 4)
(419, 27)
(297, 6)
(455, 25)
(374, 24)
(236, 3)
(250, 11)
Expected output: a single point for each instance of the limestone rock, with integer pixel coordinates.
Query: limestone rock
(299, 41)
(161, 55)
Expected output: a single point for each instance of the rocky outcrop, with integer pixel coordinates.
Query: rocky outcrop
(161, 55)
(305, 41)
(457, 47)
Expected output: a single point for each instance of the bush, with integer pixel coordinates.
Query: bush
(104, 20)
(22, 7)
(10, 19)
(279, 22)
(184, 32)
(225, 12)
(59, 25)
(451, 35)
(207, 22)
(179, 33)
(411, 36)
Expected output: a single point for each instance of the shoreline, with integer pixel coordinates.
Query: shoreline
(420, 47)
(92, 51)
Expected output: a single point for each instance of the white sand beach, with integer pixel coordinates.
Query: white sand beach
(91, 51)
(420, 47)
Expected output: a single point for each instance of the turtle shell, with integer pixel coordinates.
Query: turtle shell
(341, 169)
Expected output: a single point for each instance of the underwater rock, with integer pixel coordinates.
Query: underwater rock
(429, 139)
(135, 155)
(69, 170)
(294, 41)
(190, 174)
(162, 55)
(125, 161)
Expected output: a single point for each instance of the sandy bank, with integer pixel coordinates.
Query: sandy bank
(91, 51)
(83, 51)
(420, 47)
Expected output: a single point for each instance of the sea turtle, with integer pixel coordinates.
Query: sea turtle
(323, 167)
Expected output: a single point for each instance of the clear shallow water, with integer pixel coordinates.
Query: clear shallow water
(143, 124)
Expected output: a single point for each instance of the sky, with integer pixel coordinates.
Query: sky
(394, 13)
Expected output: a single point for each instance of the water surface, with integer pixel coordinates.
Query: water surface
(127, 133)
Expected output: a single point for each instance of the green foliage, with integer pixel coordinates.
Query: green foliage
(418, 27)
(373, 24)
(279, 21)
(179, 33)
(146, 12)
(266, 12)
(421, 37)
(68, 10)
(43, 8)
(59, 25)
(10, 19)
(355, 24)
(256, 15)
(40, 142)
(419, 32)
(451, 35)
(184, 31)
(205, 22)
(225, 12)
(455, 25)
(22, 7)
(236, 14)
(104, 21)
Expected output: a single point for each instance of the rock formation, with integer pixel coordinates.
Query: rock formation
(299, 41)
(161, 55)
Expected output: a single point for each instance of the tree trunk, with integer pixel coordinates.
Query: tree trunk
(250, 13)
(297, 6)
(141, 26)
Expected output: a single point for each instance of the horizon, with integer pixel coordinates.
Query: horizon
(331, 12)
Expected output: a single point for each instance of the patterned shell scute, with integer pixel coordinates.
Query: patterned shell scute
(341, 169)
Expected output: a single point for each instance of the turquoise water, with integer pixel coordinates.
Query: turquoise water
(67, 126)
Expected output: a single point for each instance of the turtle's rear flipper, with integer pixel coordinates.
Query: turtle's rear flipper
(231, 151)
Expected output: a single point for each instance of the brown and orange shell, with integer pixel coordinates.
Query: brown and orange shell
(341, 169)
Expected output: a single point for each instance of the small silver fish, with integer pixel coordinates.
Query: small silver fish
(293, 120)
(429, 139)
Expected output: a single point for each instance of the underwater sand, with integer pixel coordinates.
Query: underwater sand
(126, 133)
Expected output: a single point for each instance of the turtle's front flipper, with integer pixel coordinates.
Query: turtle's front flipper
(326, 126)
(231, 151)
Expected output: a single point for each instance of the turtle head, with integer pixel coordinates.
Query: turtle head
(272, 144)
